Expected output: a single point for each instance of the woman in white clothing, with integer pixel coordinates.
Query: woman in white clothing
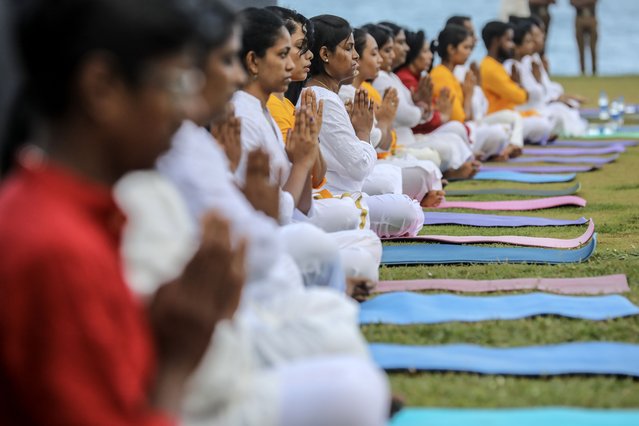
(344, 139)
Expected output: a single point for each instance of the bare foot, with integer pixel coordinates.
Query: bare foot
(433, 199)
(466, 171)
(444, 183)
(359, 288)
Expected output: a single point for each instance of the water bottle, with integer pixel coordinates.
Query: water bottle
(603, 106)
(614, 114)
(622, 110)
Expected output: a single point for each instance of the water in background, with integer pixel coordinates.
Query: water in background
(618, 44)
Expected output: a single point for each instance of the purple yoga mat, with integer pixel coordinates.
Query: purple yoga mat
(516, 205)
(564, 160)
(589, 285)
(612, 149)
(432, 218)
(540, 169)
(508, 239)
(592, 144)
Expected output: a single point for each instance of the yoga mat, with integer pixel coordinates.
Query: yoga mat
(593, 144)
(405, 308)
(611, 149)
(493, 220)
(515, 191)
(540, 169)
(565, 160)
(616, 135)
(551, 416)
(422, 254)
(588, 285)
(566, 358)
(516, 205)
(507, 239)
(511, 176)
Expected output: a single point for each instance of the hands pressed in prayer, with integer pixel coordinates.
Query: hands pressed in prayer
(444, 104)
(362, 115)
(475, 69)
(423, 95)
(228, 135)
(184, 313)
(258, 189)
(301, 145)
(387, 111)
(514, 75)
(315, 110)
(468, 86)
(536, 71)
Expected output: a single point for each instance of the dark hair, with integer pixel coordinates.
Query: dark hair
(330, 30)
(215, 22)
(380, 33)
(53, 39)
(458, 20)
(493, 30)
(451, 35)
(521, 30)
(396, 29)
(415, 41)
(360, 35)
(260, 29)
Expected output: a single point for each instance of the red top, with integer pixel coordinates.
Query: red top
(75, 347)
(411, 81)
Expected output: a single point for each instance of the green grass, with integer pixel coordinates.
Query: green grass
(613, 202)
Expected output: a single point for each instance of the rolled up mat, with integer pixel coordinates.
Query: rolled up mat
(608, 284)
(593, 144)
(540, 169)
(516, 205)
(433, 254)
(514, 240)
(611, 149)
(493, 220)
(512, 176)
(566, 160)
(565, 358)
(405, 308)
(515, 191)
(550, 416)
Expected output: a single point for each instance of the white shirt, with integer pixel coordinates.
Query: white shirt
(349, 160)
(536, 90)
(347, 93)
(553, 90)
(408, 115)
(479, 103)
(259, 130)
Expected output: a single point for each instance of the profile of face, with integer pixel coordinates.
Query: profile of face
(459, 54)
(401, 48)
(370, 62)
(506, 46)
(224, 75)
(300, 53)
(387, 52)
(425, 58)
(527, 46)
(539, 38)
(341, 63)
(273, 71)
(468, 24)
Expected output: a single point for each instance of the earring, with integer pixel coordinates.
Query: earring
(326, 60)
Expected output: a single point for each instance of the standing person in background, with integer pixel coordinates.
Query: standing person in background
(518, 8)
(541, 8)
(586, 27)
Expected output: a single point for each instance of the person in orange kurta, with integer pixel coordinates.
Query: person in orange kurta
(503, 91)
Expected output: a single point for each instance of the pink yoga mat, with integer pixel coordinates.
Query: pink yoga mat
(508, 239)
(589, 285)
(534, 204)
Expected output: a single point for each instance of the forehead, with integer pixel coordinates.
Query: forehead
(508, 35)
(283, 38)
(370, 41)
(401, 36)
(348, 40)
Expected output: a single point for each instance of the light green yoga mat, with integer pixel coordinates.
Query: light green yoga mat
(515, 191)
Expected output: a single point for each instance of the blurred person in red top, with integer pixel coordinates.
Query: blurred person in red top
(104, 97)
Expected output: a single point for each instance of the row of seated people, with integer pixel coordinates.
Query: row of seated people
(258, 159)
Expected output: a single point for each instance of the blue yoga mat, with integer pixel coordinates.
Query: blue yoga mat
(493, 220)
(422, 254)
(505, 175)
(550, 416)
(403, 308)
(566, 358)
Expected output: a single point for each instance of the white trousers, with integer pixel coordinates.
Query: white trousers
(395, 215)
(538, 128)
(568, 120)
(451, 143)
(510, 118)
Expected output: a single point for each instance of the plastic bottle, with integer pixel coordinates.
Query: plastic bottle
(614, 114)
(603, 106)
(622, 110)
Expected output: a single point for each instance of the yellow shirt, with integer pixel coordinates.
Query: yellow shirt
(500, 90)
(442, 77)
(375, 96)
